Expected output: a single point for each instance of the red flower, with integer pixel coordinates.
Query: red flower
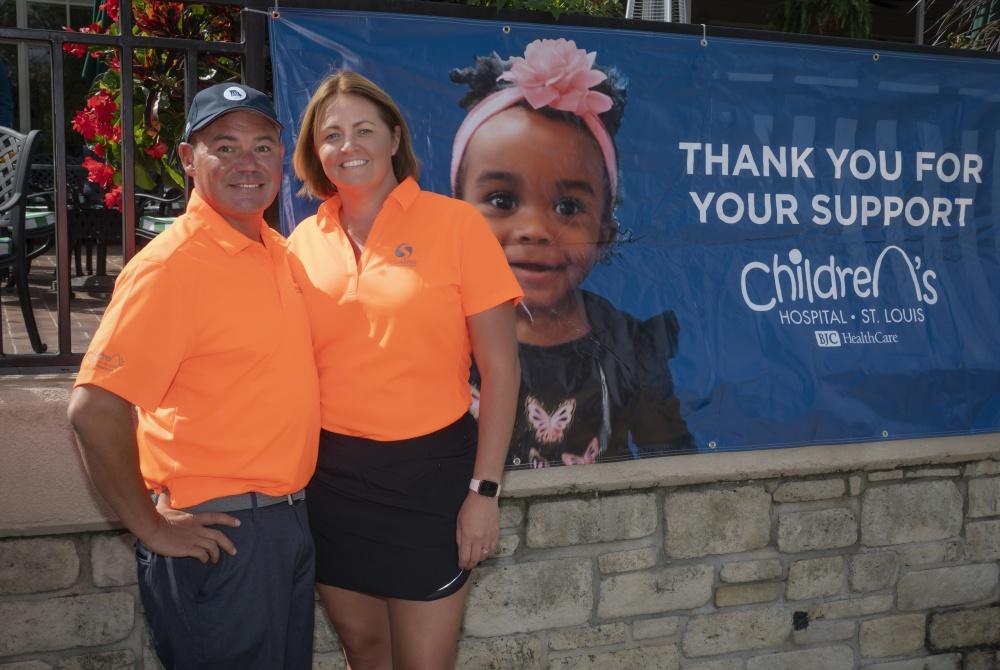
(113, 198)
(111, 8)
(104, 107)
(76, 49)
(114, 133)
(98, 150)
(157, 151)
(85, 123)
(99, 173)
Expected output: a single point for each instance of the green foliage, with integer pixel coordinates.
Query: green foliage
(840, 18)
(157, 86)
(609, 8)
(970, 24)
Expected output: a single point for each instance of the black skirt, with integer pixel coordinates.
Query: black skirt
(383, 514)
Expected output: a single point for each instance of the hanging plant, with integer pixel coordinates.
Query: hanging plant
(841, 18)
(158, 91)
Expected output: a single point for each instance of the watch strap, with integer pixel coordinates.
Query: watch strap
(485, 487)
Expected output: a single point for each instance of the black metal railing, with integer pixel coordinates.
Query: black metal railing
(251, 52)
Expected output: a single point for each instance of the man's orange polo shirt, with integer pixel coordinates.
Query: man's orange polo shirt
(207, 335)
(392, 344)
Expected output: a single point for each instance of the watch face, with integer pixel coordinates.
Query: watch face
(488, 488)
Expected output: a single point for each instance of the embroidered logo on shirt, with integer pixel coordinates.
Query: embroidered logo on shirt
(104, 361)
(403, 254)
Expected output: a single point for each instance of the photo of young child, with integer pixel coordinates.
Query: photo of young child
(536, 155)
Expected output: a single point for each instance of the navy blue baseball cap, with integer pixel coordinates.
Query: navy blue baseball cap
(214, 101)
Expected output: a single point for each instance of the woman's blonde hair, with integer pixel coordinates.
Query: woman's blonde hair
(308, 168)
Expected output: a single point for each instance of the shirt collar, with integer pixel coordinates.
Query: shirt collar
(220, 230)
(404, 194)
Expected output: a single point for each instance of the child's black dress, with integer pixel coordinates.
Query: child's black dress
(580, 401)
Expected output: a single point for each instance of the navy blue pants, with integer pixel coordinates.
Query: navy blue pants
(248, 611)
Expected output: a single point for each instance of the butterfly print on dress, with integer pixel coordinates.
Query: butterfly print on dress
(549, 428)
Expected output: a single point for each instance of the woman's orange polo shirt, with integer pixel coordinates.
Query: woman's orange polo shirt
(207, 335)
(391, 342)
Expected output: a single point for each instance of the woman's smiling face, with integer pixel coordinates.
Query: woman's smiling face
(354, 144)
(540, 183)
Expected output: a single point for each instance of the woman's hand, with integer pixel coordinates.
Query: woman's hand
(478, 529)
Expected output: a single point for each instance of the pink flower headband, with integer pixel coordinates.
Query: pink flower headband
(553, 73)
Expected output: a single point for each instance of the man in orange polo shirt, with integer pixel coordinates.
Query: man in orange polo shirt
(207, 338)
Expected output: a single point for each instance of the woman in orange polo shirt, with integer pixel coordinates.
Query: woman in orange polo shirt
(401, 286)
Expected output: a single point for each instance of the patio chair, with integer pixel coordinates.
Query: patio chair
(16, 152)
(90, 223)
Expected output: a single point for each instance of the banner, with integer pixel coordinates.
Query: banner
(724, 244)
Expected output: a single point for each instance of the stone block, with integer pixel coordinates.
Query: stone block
(662, 657)
(926, 553)
(925, 473)
(499, 653)
(983, 540)
(26, 665)
(65, 623)
(529, 596)
(329, 661)
(35, 565)
(150, 661)
(939, 662)
(626, 561)
(815, 578)
(851, 607)
(910, 512)
(942, 587)
(965, 628)
(108, 660)
(824, 631)
(751, 571)
(664, 626)
(984, 497)
(724, 632)
(112, 559)
(885, 475)
(820, 529)
(747, 594)
(984, 468)
(727, 521)
(839, 657)
(892, 635)
(718, 664)
(565, 639)
(652, 591)
(856, 484)
(507, 545)
(873, 571)
(813, 489)
(564, 523)
(981, 660)
(511, 515)
(324, 637)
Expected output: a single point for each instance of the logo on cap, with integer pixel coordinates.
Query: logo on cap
(234, 93)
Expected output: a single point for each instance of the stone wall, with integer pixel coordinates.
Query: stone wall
(891, 569)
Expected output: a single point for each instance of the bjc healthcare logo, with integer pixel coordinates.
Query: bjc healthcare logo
(827, 338)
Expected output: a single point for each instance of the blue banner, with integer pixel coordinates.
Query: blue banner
(791, 244)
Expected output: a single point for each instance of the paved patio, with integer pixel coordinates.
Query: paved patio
(86, 309)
